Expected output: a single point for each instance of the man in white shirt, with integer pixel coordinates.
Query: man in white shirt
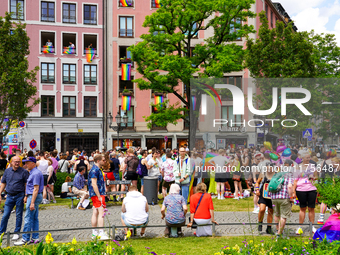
(135, 210)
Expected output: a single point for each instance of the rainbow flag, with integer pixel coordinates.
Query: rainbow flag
(232, 146)
(48, 49)
(193, 101)
(331, 229)
(245, 143)
(125, 3)
(126, 72)
(89, 54)
(126, 103)
(159, 100)
(69, 50)
(158, 3)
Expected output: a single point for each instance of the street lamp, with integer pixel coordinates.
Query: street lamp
(119, 126)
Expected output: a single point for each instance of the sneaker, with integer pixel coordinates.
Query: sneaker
(260, 228)
(35, 241)
(222, 197)
(142, 235)
(15, 237)
(266, 210)
(313, 230)
(256, 210)
(21, 242)
(299, 231)
(321, 220)
(236, 198)
(55, 201)
(81, 208)
(103, 236)
(218, 196)
(269, 231)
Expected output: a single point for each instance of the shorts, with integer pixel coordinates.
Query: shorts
(110, 176)
(96, 203)
(306, 198)
(237, 176)
(131, 176)
(160, 178)
(167, 184)
(282, 208)
(267, 202)
(117, 177)
(221, 180)
(45, 180)
(130, 225)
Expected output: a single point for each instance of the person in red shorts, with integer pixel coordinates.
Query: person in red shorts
(97, 194)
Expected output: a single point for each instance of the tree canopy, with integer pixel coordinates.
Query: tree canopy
(17, 97)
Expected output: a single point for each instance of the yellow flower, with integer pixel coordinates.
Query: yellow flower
(55, 245)
(109, 249)
(251, 241)
(48, 238)
(74, 241)
(128, 234)
(71, 249)
(306, 243)
(271, 253)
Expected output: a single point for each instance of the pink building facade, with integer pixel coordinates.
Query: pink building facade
(66, 42)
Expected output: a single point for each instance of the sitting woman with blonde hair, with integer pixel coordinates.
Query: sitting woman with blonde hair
(202, 211)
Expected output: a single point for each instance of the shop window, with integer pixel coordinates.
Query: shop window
(90, 14)
(69, 73)
(126, 27)
(227, 113)
(124, 55)
(47, 72)
(90, 74)
(47, 106)
(90, 106)
(17, 9)
(47, 11)
(47, 42)
(126, 85)
(69, 13)
(69, 43)
(69, 106)
(90, 41)
(130, 115)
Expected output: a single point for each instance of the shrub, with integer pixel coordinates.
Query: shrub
(60, 180)
(329, 190)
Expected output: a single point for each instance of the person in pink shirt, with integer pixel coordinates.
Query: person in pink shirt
(305, 190)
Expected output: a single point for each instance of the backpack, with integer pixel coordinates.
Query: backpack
(276, 183)
(139, 168)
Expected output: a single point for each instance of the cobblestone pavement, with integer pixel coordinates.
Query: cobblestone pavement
(59, 217)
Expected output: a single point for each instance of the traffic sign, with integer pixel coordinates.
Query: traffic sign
(33, 144)
(165, 138)
(22, 124)
(308, 133)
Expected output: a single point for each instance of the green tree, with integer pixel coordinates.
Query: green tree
(168, 56)
(17, 97)
(282, 53)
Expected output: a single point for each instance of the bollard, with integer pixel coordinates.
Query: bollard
(310, 229)
(213, 229)
(113, 232)
(8, 239)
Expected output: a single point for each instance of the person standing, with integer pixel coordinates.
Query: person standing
(130, 166)
(114, 168)
(97, 194)
(14, 181)
(33, 197)
(167, 172)
(42, 165)
(182, 171)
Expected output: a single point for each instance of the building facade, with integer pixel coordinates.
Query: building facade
(66, 42)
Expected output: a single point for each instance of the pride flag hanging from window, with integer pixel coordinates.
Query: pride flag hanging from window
(90, 52)
(126, 103)
(158, 3)
(69, 50)
(48, 49)
(126, 72)
(158, 100)
(125, 3)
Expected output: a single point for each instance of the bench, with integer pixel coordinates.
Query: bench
(119, 183)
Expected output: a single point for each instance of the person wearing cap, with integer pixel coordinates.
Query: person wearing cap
(33, 197)
(14, 181)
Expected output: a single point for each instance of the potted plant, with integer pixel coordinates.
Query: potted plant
(125, 60)
(127, 92)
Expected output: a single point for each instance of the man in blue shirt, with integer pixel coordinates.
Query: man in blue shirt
(14, 181)
(33, 197)
(97, 194)
(79, 187)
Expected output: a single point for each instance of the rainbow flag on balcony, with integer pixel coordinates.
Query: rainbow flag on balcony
(125, 3)
(126, 103)
(48, 49)
(126, 72)
(69, 50)
(90, 52)
(158, 3)
(159, 100)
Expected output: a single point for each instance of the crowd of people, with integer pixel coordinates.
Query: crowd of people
(29, 178)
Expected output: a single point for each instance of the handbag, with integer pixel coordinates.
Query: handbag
(194, 224)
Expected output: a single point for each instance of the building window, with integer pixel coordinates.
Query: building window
(227, 114)
(47, 72)
(125, 85)
(129, 114)
(266, 11)
(154, 126)
(69, 106)
(235, 27)
(47, 11)
(90, 41)
(69, 13)
(124, 55)
(90, 74)
(90, 14)
(126, 3)
(125, 26)
(47, 39)
(17, 9)
(69, 43)
(234, 80)
(271, 18)
(47, 106)
(156, 3)
(90, 107)
(69, 73)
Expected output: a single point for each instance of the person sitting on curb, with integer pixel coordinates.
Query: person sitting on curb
(135, 210)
